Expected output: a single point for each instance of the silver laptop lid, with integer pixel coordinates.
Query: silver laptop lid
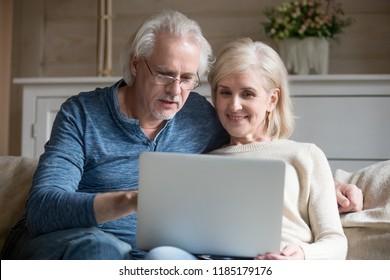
(209, 204)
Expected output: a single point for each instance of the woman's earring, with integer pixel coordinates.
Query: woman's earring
(269, 116)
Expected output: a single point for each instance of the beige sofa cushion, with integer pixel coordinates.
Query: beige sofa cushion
(15, 181)
(368, 231)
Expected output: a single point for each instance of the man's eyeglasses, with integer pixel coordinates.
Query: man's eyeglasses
(186, 84)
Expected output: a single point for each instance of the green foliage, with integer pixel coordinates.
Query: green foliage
(306, 18)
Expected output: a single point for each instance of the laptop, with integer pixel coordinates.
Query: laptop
(210, 204)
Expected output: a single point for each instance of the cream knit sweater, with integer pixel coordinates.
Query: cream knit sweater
(310, 217)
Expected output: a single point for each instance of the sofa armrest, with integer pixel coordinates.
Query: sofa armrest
(15, 181)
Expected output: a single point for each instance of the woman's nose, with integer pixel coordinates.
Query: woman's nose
(235, 104)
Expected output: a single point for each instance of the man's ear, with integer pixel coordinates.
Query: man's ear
(134, 65)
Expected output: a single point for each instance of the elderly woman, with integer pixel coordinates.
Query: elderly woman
(251, 94)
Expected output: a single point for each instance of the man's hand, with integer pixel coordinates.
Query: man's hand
(349, 197)
(110, 206)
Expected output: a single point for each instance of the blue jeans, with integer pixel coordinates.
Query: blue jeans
(72, 244)
(78, 244)
(169, 253)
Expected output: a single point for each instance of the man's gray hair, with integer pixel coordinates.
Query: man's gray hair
(142, 42)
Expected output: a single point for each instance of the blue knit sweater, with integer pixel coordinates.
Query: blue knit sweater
(94, 148)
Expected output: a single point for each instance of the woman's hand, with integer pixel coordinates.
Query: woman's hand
(290, 252)
(349, 197)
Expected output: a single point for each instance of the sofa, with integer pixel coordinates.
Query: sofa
(15, 180)
(367, 231)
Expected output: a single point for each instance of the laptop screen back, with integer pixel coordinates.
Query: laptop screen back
(209, 204)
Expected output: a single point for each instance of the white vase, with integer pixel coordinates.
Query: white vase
(305, 56)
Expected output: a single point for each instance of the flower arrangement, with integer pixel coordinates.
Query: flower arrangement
(306, 18)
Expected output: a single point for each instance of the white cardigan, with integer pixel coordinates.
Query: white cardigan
(310, 217)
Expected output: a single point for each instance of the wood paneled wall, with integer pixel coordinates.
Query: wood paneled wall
(5, 72)
(56, 38)
(64, 32)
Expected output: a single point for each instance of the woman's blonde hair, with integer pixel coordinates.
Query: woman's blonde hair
(244, 54)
